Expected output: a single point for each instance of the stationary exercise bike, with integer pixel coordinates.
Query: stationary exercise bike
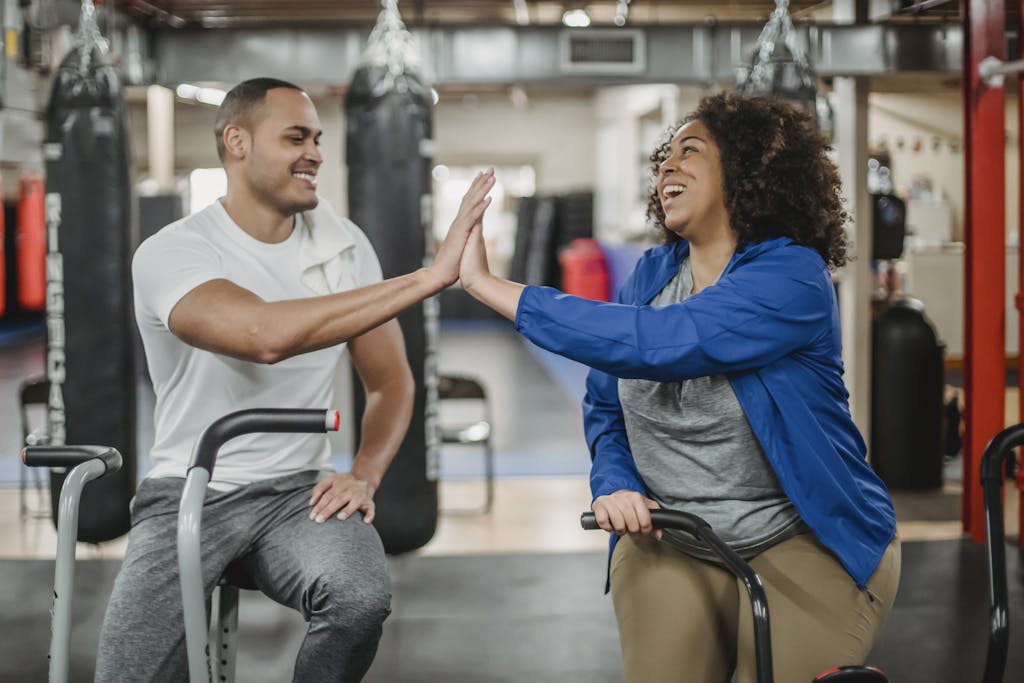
(86, 463)
(741, 569)
(220, 664)
(993, 468)
(93, 462)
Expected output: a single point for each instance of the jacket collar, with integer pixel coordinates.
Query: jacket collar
(668, 257)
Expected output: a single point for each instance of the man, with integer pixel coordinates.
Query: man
(249, 303)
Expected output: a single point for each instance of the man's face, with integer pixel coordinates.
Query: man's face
(284, 158)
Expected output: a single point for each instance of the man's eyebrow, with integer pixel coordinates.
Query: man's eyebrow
(304, 130)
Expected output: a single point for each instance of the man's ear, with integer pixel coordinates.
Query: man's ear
(237, 141)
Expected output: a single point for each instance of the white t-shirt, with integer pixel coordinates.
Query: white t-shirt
(324, 254)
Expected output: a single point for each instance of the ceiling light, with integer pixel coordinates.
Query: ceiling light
(576, 18)
(211, 96)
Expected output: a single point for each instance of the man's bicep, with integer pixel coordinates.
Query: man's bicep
(215, 316)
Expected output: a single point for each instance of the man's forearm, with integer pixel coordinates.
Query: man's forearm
(302, 325)
(385, 422)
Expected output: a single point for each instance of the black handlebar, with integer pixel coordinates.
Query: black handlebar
(660, 519)
(993, 460)
(259, 420)
(70, 456)
(701, 530)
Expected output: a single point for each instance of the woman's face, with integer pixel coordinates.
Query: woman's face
(690, 185)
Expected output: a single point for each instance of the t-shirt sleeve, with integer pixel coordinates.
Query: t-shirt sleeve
(168, 266)
(366, 259)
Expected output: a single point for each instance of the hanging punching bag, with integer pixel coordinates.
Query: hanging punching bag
(388, 139)
(89, 326)
(31, 243)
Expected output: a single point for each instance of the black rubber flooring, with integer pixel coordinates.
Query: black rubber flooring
(537, 618)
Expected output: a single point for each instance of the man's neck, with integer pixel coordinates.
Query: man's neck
(260, 221)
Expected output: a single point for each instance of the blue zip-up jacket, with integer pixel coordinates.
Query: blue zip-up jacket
(771, 326)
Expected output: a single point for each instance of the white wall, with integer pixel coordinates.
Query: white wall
(920, 119)
(553, 133)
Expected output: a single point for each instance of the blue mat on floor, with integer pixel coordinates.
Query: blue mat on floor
(19, 331)
(457, 464)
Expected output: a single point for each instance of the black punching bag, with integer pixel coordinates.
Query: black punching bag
(89, 321)
(907, 371)
(388, 157)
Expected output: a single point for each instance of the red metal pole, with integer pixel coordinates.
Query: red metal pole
(1020, 266)
(985, 260)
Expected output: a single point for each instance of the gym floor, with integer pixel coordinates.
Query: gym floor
(547, 573)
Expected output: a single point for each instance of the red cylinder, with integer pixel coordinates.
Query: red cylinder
(31, 249)
(585, 270)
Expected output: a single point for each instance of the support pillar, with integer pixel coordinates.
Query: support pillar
(857, 279)
(1020, 261)
(985, 262)
(160, 136)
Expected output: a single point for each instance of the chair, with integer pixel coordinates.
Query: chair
(32, 391)
(472, 432)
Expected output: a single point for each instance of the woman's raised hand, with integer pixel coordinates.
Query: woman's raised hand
(471, 211)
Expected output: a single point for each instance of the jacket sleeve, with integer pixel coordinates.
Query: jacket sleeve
(758, 313)
(613, 466)
(605, 428)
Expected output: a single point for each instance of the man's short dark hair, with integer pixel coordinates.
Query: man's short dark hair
(241, 105)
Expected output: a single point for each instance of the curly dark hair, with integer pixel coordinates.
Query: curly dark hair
(777, 178)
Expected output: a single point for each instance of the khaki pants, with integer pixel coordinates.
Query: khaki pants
(682, 620)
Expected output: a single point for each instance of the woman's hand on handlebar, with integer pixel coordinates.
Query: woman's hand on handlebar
(625, 512)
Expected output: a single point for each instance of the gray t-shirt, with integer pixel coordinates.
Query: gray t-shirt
(696, 452)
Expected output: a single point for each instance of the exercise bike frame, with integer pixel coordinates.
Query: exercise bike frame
(700, 529)
(190, 513)
(86, 463)
(993, 467)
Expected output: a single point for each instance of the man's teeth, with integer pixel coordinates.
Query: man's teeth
(673, 190)
(306, 176)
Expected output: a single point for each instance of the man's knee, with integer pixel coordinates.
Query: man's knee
(350, 601)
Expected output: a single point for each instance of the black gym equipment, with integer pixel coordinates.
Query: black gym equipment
(907, 385)
(85, 464)
(90, 359)
(999, 450)
(741, 569)
(998, 454)
(388, 153)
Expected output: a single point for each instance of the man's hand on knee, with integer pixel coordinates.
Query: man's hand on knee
(342, 494)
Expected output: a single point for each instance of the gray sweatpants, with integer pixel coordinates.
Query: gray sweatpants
(334, 573)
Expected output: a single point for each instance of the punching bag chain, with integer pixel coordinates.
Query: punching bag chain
(391, 46)
(780, 65)
(89, 37)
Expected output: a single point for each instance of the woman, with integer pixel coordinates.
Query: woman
(716, 387)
